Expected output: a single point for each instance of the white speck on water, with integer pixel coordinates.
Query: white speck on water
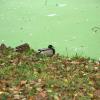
(66, 40)
(61, 5)
(2, 40)
(30, 34)
(76, 49)
(87, 20)
(73, 37)
(51, 15)
(9, 8)
(14, 8)
(54, 42)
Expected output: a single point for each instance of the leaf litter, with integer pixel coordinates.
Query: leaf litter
(24, 75)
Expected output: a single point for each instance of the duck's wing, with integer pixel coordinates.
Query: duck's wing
(47, 52)
(44, 49)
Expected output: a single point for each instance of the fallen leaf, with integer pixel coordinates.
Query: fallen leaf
(97, 93)
(23, 82)
(16, 97)
(43, 94)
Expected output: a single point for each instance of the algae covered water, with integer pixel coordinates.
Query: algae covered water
(72, 26)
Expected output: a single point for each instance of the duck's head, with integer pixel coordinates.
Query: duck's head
(50, 46)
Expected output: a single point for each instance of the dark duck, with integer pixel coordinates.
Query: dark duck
(50, 51)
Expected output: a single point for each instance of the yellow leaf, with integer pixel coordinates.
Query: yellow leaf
(65, 80)
(90, 82)
(1, 92)
(90, 94)
(39, 80)
(38, 89)
(49, 90)
(56, 97)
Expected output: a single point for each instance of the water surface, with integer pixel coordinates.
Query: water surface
(70, 25)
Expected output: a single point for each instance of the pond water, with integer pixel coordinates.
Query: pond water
(72, 26)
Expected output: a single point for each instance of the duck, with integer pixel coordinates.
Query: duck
(50, 51)
(23, 47)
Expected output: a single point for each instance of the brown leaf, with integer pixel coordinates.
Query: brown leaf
(32, 82)
(23, 82)
(97, 76)
(39, 80)
(97, 93)
(31, 98)
(17, 97)
(43, 94)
